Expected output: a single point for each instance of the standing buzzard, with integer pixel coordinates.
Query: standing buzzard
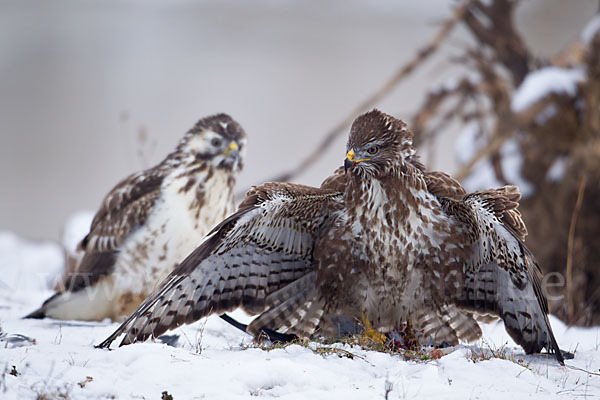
(386, 243)
(149, 222)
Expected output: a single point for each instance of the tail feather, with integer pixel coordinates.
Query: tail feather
(525, 319)
(433, 328)
(80, 305)
(280, 316)
(306, 319)
(288, 309)
(466, 328)
(40, 313)
(448, 325)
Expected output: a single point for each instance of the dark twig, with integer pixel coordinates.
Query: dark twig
(509, 47)
(570, 241)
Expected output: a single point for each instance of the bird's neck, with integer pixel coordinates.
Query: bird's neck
(180, 160)
(204, 192)
(397, 190)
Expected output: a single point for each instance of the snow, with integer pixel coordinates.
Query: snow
(588, 33)
(482, 177)
(469, 142)
(448, 85)
(214, 360)
(548, 112)
(557, 169)
(544, 81)
(512, 164)
(16, 259)
(77, 226)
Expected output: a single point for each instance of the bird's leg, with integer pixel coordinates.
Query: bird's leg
(371, 334)
(410, 336)
(406, 338)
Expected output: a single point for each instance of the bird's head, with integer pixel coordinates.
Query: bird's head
(218, 140)
(378, 144)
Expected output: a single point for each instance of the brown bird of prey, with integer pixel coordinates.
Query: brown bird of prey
(151, 221)
(385, 243)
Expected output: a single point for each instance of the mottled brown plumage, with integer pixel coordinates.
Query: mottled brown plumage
(387, 242)
(149, 222)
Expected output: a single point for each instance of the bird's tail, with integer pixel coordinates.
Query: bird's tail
(447, 324)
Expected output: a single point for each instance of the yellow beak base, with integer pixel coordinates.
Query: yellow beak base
(351, 160)
(233, 146)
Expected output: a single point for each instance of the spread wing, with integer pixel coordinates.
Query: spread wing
(259, 259)
(501, 275)
(123, 210)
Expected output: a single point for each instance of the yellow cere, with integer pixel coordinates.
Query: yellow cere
(232, 146)
(352, 157)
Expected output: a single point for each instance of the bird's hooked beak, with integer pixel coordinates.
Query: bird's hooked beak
(351, 160)
(233, 148)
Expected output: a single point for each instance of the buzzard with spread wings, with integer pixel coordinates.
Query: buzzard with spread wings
(386, 242)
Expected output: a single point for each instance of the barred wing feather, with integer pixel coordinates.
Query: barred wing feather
(502, 277)
(248, 261)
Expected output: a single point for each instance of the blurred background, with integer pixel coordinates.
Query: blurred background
(91, 91)
(497, 92)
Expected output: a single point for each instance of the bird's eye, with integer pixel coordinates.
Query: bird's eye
(216, 142)
(373, 150)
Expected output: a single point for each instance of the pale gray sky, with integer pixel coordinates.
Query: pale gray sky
(79, 80)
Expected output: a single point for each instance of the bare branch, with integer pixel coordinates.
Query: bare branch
(499, 33)
(421, 56)
(569, 288)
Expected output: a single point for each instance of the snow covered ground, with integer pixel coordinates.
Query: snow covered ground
(213, 360)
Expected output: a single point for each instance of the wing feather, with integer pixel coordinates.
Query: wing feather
(443, 185)
(247, 261)
(502, 276)
(123, 210)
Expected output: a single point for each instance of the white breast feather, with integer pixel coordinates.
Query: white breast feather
(398, 239)
(172, 231)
